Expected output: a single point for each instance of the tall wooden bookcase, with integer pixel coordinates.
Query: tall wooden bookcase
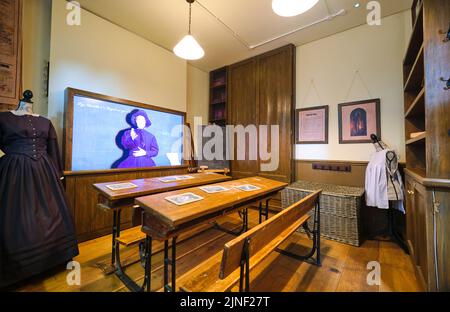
(218, 96)
(427, 128)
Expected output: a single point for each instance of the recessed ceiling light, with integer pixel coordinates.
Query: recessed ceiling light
(357, 5)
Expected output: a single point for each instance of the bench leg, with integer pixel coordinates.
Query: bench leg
(172, 263)
(245, 268)
(316, 241)
(129, 282)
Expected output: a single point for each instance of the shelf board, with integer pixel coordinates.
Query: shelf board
(419, 139)
(219, 86)
(219, 102)
(416, 75)
(217, 121)
(417, 107)
(416, 39)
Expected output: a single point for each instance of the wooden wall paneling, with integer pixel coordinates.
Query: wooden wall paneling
(437, 65)
(10, 53)
(91, 222)
(242, 97)
(276, 105)
(305, 171)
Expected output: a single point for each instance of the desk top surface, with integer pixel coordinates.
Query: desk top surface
(154, 185)
(157, 206)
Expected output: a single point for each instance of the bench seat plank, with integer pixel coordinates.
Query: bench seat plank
(131, 236)
(204, 276)
(263, 239)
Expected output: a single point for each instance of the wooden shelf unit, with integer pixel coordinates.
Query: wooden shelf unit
(427, 173)
(218, 97)
(414, 90)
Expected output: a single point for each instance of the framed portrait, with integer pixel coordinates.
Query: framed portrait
(311, 125)
(358, 120)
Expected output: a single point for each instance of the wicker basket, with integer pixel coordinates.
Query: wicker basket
(339, 209)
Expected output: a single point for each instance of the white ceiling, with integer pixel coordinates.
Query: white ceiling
(164, 22)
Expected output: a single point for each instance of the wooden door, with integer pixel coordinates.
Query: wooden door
(242, 99)
(437, 66)
(10, 53)
(442, 197)
(420, 231)
(276, 105)
(410, 217)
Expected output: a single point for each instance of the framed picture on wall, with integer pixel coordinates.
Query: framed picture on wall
(311, 125)
(358, 120)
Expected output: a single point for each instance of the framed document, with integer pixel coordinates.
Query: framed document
(311, 125)
(121, 186)
(211, 189)
(358, 120)
(247, 187)
(183, 199)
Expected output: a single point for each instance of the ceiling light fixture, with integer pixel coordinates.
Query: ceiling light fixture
(357, 5)
(289, 8)
(188, 48)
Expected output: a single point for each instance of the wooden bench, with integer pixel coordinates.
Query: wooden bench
(240, 255)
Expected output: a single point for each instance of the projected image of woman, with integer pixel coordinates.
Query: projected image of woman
(139, 144)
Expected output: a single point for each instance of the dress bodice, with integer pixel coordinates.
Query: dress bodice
(26, 135)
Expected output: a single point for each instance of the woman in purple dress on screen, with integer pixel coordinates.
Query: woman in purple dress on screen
(140, 144)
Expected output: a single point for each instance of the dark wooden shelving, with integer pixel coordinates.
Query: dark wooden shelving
(218, 97)
(416, 39)
(417, 107)
(416, 76)
(417, 140)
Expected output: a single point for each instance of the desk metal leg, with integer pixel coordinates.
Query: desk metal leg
(115, 234)
(264, 213)
(126, 280)
(148, 264)
(172, 263)
(113, 243)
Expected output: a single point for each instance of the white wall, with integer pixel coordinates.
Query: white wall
(101, 57)
(36, 50)
(377, 53)
(197, 94)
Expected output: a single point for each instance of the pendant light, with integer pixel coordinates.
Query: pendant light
(288, 8)
(188, 48)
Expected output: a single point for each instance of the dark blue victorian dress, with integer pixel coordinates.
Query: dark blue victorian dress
(36, 227)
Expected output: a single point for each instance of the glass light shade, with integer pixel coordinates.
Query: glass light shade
(189, 49)
(292, 7)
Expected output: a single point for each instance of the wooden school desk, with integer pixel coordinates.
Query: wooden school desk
(115, 201)
(163, 220)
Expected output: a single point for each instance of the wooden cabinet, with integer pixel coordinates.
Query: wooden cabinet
(261, 92)
(419, 231)
(10, 53)
(427, 115)
(428, 230)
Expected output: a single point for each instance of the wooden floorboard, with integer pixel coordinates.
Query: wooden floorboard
(344, 267)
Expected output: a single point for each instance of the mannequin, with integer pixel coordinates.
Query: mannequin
(37, 232)
(25, 106)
